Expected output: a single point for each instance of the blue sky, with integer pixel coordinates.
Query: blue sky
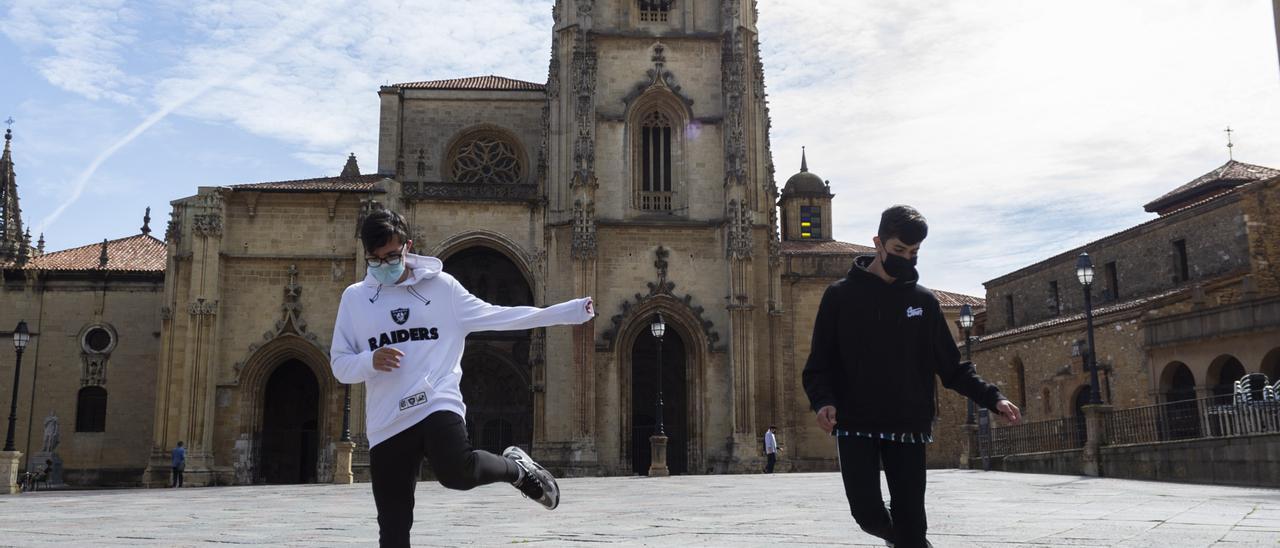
(1021, 129)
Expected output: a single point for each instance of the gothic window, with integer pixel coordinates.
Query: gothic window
(91, 409)
(655, 162)
(655, 11)
(97, 340)
(486, 157)
(810, 222)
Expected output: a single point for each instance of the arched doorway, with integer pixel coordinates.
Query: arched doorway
(497, 374)
(644, 398)
(1180, 418)
(1080, 400)
(1223, 374)
(1271, 365)
(290, 435)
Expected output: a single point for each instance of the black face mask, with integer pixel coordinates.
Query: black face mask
(899, 267)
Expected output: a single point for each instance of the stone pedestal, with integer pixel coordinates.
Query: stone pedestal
(9, 472)
(1095, 421)
(658, 456)
(37, 462)
(342, 462)
(968, 445)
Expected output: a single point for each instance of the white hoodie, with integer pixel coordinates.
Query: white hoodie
(427, 316)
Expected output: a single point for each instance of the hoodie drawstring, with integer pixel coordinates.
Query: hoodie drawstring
(376, 293)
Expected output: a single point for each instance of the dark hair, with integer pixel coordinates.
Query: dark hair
(380, 226)
(773, 427)
(179, 444)
(904, 223)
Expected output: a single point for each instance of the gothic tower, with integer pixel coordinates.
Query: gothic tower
(660, 199)
(15, 246)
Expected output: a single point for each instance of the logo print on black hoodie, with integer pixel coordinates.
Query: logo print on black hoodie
(400, 315)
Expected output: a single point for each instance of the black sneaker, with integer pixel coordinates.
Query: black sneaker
(537, 483)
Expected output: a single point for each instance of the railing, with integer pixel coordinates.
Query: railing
(1034, 437)
(656, 201)
(1218, 416)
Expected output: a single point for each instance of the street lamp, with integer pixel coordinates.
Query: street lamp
(20, 338)
(658, 328)
(966, 323)
(346, 413)
(1084, 272)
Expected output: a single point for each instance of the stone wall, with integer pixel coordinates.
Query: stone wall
(1251, 461)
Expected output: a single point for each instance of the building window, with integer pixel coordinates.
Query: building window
(1113, 282)
(97, 339)
(91, 409)
(655, 162)
(810, 221)
(1055, 303)
(1020, 382)
(1180, 260)
(655, 11)
(486, 157)
(1008, 310)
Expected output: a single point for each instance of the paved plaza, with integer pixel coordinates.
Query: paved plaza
(967, 508)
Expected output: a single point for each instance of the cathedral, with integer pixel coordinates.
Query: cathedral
(639, 173)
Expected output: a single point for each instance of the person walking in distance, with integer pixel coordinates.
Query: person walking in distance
(770, 449)
(179, 464)
(879, 339)
(402, 331)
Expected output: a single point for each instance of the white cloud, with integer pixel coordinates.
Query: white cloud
(76, 44)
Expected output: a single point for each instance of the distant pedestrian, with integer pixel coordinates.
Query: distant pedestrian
(179, 464)
(770, 449)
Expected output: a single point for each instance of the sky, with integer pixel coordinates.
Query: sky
(1020, 129)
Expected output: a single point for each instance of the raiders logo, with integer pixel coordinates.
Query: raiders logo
(400, 315)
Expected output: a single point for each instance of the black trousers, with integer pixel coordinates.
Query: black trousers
(177, 476)
(904, 524)
(773, 459)
(442, 439)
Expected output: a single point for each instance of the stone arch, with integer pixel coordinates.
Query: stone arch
(1177, 382)
(680, 318)
(486, 131)
(1271, 365)
(1018, 380)
(1223, 372)
(524, 261)
(655, 108)
(259, 367)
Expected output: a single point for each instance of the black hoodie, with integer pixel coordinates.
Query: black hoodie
(876, 347)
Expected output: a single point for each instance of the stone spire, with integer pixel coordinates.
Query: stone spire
(351, 169)
(40, 246)
(11, 239)
(146, 222)
(804, 162)
(102, 259)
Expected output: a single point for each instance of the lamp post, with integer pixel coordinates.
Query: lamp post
(346, 413)
(658, 328)
(966, 323)
(1084, 272)
(20, 338)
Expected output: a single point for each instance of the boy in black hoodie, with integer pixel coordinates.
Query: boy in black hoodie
(878, 340)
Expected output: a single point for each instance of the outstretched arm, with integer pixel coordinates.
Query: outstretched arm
(474, 314)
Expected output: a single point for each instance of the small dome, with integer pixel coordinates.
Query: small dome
(805, 182)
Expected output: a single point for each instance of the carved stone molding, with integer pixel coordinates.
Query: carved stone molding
(202, 307)
(584, 89)
(290, 323)
(584, 231)
(494, 192)
(208, 224)
(740, 240)
(659, 77)
(661, 289)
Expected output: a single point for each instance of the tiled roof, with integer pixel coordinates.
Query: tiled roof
(828, 247)
(360, 183)
(141, 253)
(1230, 175)
(948, 299)
(1097, 313)
(477, 83)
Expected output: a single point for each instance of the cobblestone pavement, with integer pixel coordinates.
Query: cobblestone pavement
(966, 508)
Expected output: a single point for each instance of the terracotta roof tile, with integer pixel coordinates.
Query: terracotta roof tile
(1097, 313)
(360, 183)
(141, 253)
(955, 300)
(1229, 175)
(827, 247)
(477, 83)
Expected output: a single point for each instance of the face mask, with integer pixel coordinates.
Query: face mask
(387, 274)
(899, 267)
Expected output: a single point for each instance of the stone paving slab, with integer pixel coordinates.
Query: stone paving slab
(966, 508)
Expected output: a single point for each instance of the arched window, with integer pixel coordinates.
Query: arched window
(485, 157)
(91, 409)
(655, 162)
(655, 11)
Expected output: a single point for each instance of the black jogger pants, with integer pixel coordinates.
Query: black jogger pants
(442, 439)
(904, 524)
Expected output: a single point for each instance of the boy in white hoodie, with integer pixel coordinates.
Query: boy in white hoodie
(401, 331)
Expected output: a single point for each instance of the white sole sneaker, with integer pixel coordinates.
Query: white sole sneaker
(534, 472)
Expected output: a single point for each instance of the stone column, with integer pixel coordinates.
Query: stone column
(658, 456)
(342, 462)
(1095, 421)
(9, 472)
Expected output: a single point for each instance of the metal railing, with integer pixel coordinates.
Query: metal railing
(1034, 437)
(1218, 416)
